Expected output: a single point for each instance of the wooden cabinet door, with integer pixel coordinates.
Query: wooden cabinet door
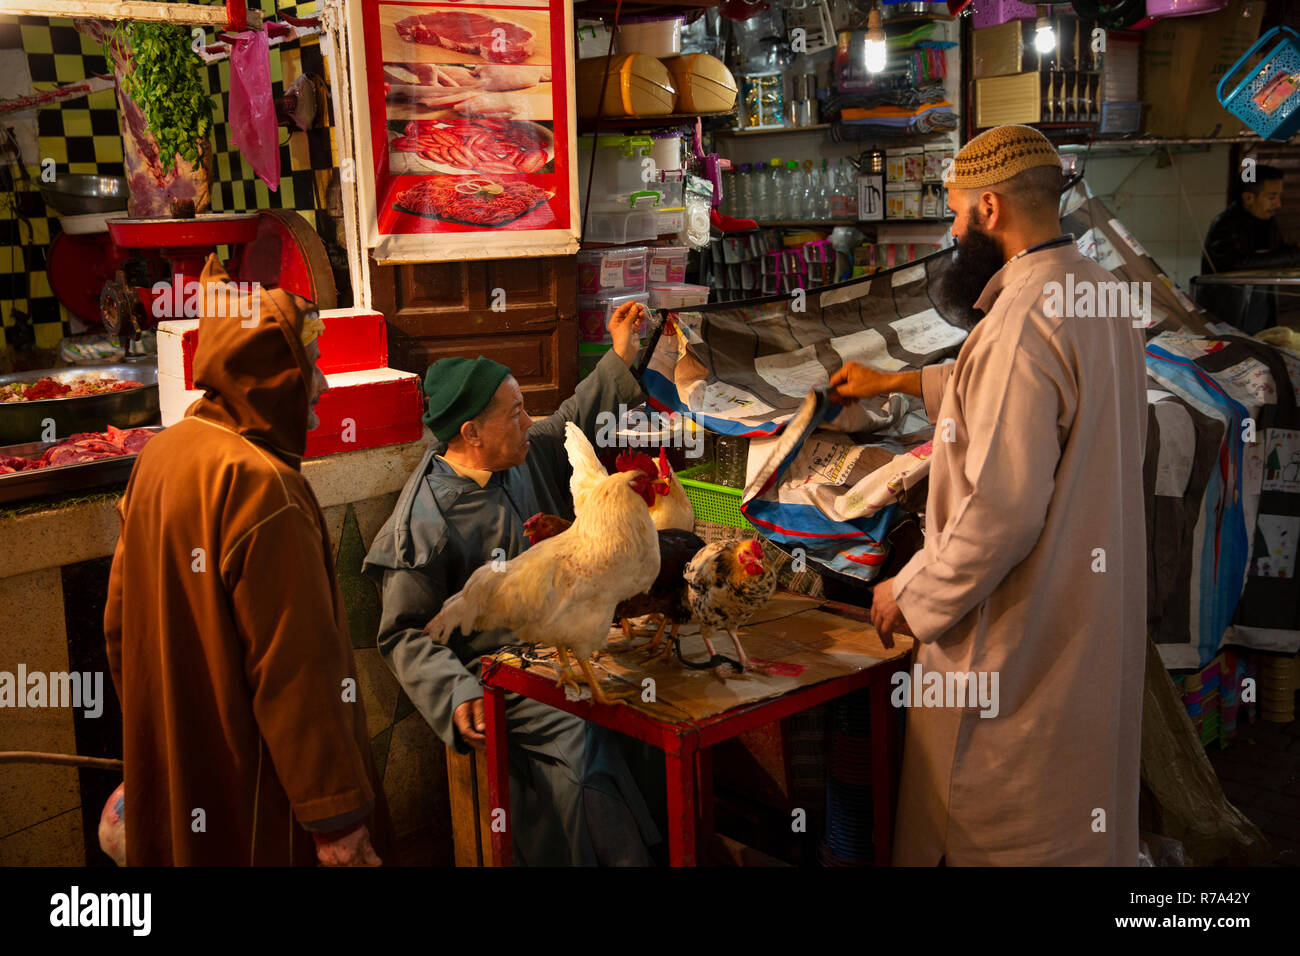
(519, 312)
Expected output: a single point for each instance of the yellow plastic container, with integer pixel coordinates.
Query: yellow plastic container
(704, 84)
(638, 85)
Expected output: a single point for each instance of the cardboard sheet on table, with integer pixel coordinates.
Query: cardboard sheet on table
(790, 633)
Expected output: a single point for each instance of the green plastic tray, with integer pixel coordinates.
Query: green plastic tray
(714, 503)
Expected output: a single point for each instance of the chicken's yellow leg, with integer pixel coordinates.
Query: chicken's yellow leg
(666, 653)
(598, 695)
(563, 671)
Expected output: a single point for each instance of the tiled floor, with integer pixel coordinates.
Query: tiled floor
(1260, 772)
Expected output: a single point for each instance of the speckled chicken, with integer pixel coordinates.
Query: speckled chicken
(727, 583)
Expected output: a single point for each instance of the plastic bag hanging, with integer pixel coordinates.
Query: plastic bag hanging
(253, 125)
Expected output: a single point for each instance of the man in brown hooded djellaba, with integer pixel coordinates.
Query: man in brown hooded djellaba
(227, 636)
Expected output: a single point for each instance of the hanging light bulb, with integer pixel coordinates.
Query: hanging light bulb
(1044, 36)
(875, 42)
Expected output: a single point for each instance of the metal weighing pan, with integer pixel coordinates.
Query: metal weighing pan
(61, 479)
(130, 408)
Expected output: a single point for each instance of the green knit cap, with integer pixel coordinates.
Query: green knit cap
(458, 389)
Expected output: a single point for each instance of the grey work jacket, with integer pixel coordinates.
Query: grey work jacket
(445, 526)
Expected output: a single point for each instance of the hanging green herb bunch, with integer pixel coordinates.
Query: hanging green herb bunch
(162, 79)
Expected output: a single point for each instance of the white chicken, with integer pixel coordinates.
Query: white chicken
(563, 591)
(673, 509)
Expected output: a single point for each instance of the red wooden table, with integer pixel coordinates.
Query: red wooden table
(836, 653)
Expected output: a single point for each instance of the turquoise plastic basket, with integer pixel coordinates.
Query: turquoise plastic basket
(1268, 99)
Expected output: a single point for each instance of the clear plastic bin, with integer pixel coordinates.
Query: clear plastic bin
(612, 270)
(667, 263)
(619, 167)
(595, 311)
(621, 227)
(677, 295)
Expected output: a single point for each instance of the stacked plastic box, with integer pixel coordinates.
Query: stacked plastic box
(1212, 696)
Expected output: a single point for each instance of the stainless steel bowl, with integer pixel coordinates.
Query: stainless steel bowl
(83, 193)
(26, 421)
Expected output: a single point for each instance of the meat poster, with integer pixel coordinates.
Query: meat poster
(469, 137)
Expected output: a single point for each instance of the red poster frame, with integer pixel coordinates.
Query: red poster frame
(396, 234)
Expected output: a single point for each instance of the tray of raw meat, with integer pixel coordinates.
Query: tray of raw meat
(77, 398)
(76, 463)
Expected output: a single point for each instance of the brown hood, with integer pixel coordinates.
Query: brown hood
(256, 379)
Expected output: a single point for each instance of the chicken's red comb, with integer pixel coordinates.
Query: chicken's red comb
(636, 461)
(665, 469)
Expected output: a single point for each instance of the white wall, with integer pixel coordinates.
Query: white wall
(1167, 209)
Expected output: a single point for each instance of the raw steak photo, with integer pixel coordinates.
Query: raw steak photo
(473, 202)
(497, 41)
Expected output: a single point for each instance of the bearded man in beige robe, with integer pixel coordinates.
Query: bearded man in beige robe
(1033, 570)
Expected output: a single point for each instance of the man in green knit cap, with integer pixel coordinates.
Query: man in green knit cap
(573, 800)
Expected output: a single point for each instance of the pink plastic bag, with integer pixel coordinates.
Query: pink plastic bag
(252, 109)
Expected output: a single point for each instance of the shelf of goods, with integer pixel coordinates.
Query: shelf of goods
(772, 132)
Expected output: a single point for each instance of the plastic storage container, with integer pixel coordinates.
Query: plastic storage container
(652, 36)
(991, 13)
(612, 270)
(666, 149)
(595, 311)
(619, 227)
(593, 39)
(704, 84)
(677, 295)
(667, 263)
(638, 85)
(713, 503)
(618, 168)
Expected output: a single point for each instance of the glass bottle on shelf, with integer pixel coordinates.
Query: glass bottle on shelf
(743, 201)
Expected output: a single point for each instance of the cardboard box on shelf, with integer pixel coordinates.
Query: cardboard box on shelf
(1001, 100)
(1001, 50)
(1182, 63)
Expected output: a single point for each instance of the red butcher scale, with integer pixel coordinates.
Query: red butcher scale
(275, 247)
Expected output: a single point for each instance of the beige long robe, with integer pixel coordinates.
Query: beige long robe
(1048, 428)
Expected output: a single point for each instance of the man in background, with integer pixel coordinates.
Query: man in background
(1246, 236)
(227, 636)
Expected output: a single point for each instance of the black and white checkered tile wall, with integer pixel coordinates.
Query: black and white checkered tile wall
(82, 136)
